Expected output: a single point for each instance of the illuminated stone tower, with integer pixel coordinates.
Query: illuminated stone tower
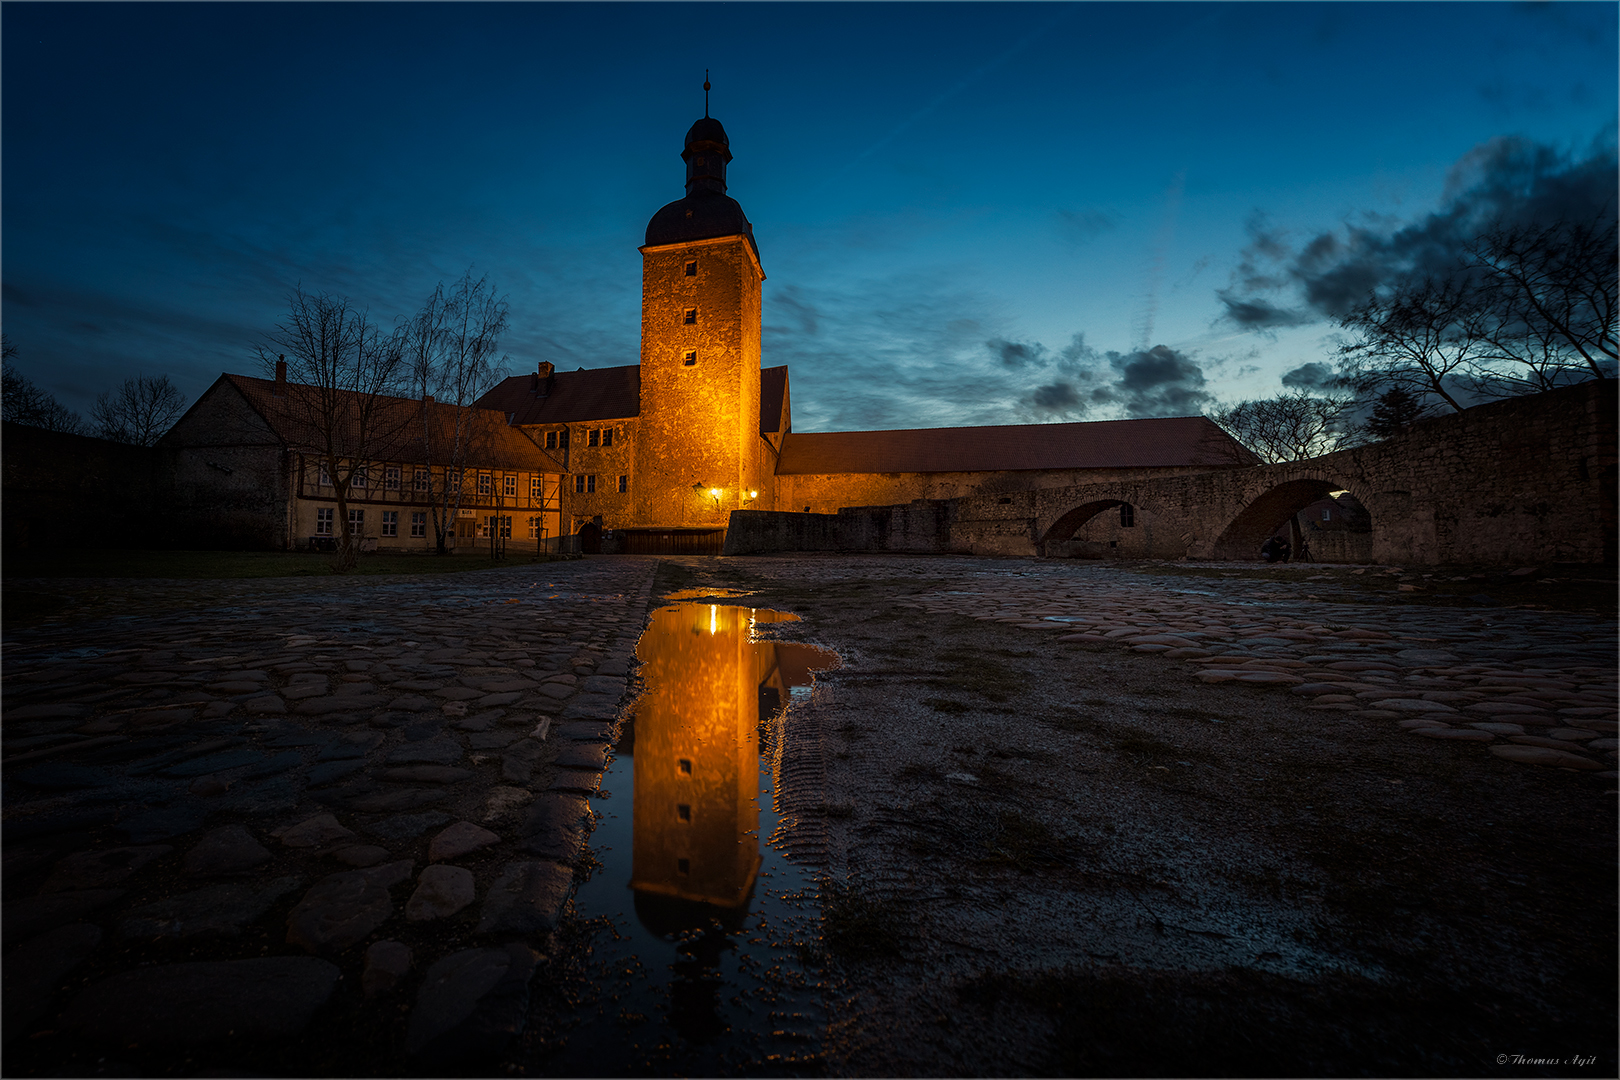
(699, 453)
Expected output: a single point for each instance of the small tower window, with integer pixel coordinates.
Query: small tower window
(624, 484)
(691, 269)
(1127, 516)
(690, 359)
(691, 316)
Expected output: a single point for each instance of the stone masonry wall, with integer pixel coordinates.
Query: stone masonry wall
(227, 476)
(1529, 479)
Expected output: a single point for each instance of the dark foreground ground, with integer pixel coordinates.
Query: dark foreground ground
(1038, 856)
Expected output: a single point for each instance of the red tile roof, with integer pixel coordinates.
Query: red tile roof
(569, 397)
(1107, 444)
(402, 431)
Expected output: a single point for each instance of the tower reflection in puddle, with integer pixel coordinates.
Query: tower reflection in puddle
(713, 693)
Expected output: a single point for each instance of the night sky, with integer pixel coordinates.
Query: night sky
(967, 213)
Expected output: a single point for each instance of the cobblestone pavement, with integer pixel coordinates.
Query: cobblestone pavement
(217, 792)
(1539, 688)
(281, 824)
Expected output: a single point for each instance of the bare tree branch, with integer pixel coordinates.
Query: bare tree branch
(140, 411)
(342, 378)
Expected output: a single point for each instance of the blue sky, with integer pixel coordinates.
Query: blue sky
(968, 213)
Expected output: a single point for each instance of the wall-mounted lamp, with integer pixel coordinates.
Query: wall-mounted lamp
(753, 494)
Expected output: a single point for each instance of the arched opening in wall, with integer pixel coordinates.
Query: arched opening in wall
(1301, 520)
(1113, 521)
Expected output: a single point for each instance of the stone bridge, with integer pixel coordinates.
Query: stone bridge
(1525, 480)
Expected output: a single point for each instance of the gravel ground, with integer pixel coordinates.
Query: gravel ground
(1051, 856)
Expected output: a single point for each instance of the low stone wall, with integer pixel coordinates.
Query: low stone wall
(73, 491)
(921, 526)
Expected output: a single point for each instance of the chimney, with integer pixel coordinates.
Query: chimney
(546, 370)
(281, 375)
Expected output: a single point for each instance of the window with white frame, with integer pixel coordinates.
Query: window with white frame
(326, 477)
(455, 480)
(391, 478)
(534, 526)
(357, 478)
(419, 479)
(323, 521)
(551, 440)
(537, 487)
(419, 523)
(390, 523)
(509, 485)
(483, 483)
(506, 528)
(357, 522)
(579, 483)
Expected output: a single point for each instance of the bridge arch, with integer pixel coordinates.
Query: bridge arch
(1265, 512)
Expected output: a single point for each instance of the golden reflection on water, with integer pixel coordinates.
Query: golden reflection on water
(710, 691)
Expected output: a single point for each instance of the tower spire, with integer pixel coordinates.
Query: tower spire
(705, 93)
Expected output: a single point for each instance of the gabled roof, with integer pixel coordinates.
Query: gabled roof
(406, 430)
(568, 397)
(1107, 444)
(773, 385)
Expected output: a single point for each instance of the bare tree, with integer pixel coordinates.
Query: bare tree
(22, 402)
(139, 411)
(1289, 427)
(1428, 338)
(342, 375)
(1553, 292)
(452, 344)
(1528, 308)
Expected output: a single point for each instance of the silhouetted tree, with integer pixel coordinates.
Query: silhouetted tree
(1289, 427)
(1392, 412)
(1529, 308)
(22, 402)
(1553, 293)
(139, 411)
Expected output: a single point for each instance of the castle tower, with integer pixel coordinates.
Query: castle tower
(699, 453)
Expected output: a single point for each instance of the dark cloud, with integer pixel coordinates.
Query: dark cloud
(1059, 397)
(792, 303)
(1313, 376)
(1261, 314)
(1160, 381)
(1507, 180)
(1017, 354)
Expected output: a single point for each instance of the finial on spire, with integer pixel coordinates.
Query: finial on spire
(705, 93)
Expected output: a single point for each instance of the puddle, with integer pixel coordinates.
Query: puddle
(696, 922)
(707, 594)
